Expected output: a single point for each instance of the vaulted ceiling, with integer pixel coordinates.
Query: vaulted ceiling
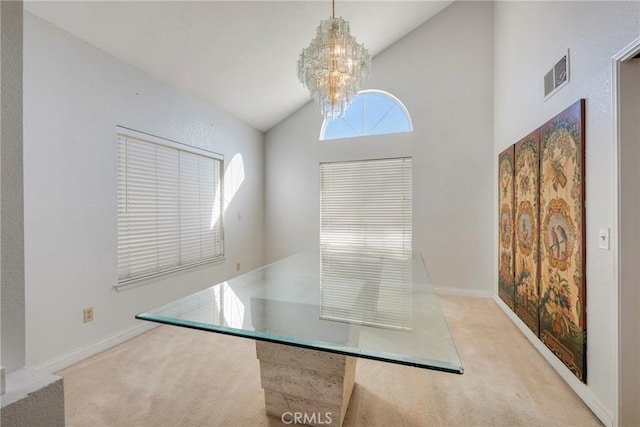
(239, 56)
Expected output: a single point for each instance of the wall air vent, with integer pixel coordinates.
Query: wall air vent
(557, 77)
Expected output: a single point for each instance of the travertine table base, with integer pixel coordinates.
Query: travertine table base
(303, 386)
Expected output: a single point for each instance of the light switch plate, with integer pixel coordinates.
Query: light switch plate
(603, 239)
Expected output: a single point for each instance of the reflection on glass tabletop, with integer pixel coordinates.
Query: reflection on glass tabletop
(375, 305)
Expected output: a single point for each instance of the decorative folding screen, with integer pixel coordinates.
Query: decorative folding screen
(548, 188)
(562, 243)
(506, 288)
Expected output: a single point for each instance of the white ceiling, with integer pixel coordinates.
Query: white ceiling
(239, 56)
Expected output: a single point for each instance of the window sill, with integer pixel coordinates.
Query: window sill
(149, 278)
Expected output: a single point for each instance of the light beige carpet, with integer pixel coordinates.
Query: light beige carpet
(176, 377)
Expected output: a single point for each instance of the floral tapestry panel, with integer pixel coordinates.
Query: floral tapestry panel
(506, 288)
(562, 240)
(526, 229)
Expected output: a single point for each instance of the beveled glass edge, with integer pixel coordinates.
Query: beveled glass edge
(315, 345)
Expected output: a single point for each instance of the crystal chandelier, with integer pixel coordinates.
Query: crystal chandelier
(334, 66)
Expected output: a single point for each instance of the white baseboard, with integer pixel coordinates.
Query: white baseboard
(581, 389)
(81, 353)
(473, 293)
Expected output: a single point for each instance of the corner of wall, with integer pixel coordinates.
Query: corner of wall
(33, 399)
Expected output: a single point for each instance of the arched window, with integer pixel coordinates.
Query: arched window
(372, 112)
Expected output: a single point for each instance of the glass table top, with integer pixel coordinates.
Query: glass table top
(372, 305)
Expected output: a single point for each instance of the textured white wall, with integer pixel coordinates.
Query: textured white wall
(74, 97)
(529, 38)
(443, 73)
(12, 331)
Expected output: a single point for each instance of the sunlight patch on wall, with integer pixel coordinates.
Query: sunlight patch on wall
(233, 178)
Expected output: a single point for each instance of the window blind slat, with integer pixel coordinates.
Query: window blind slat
(365, 239)
(166, 202)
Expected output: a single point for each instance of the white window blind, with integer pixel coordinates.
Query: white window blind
(366, 205)
(169, 206)
(365, 242)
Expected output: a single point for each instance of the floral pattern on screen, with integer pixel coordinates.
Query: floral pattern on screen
(562, 248)
(541, 220)
(506, 289)
(526, 229)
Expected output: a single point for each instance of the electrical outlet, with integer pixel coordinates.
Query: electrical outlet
(87, 314)
(238, 266)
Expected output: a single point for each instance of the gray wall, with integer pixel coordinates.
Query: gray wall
(629, 114)
(529, 38)
(12, 292)
(74, 96)
(443, 73)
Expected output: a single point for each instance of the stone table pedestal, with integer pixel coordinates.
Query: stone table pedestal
(303, 386)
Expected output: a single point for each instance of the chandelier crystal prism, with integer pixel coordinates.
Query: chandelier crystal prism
(334, 66)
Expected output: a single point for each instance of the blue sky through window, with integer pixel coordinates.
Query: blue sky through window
(372, 112)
